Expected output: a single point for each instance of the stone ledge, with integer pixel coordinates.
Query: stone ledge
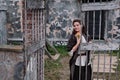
(2, 7)
(11, 48)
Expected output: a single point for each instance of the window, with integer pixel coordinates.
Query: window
(95, 20)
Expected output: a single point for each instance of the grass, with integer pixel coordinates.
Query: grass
(62, 50)
(52, 67)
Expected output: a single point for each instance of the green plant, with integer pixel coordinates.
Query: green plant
(62, 50)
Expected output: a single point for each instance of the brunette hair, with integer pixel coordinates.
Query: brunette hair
(83, 28)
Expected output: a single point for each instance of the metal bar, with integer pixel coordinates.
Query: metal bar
(41, 26)
(35, 25)
(117, 70)
(100, 25)
(112, 24)
(43, 51)
(98, 65)
(44, 23)
(106, 24)
(104, 66)
(36, 30)
(79, 64)
(38, 25)
(110, 65)
(87, 24)
(93, 25)
(31, 66)
(36, 67)
(25, 27)
(32, 26)
(40, 64)
(80, 59)
(86, 66)
(92, 64)
(87, 1)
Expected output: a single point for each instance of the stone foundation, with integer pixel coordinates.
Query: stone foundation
(11, 63)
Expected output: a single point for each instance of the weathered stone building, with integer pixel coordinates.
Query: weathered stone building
(61, 13)
(22, 22)
(18, 21)
(11, 56)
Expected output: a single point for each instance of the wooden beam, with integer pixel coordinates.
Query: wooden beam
(100, 6)
(13, 48)
(36, 46)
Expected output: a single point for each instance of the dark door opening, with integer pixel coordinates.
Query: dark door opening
(95, 20)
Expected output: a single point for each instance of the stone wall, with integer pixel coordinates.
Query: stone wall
(60, 14)
(14, 18)
(11, 63)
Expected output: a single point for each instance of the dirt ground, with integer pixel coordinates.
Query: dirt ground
(64, 71)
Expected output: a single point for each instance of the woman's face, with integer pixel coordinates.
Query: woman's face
(77, 27)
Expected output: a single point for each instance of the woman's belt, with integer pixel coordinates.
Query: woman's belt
(82, 54)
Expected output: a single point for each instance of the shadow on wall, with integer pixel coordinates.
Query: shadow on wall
(19, 71)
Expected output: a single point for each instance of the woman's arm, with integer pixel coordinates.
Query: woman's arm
(75, 47)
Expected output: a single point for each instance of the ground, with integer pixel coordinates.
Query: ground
(59, 69)
(64, 71)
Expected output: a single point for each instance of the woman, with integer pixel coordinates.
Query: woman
(80, 60)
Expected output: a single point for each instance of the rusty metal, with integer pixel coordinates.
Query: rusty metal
(34, 40)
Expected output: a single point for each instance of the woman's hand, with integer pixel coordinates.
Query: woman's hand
(70, 53)
(78, 37)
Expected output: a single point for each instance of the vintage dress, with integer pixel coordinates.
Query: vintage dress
(72, 41)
